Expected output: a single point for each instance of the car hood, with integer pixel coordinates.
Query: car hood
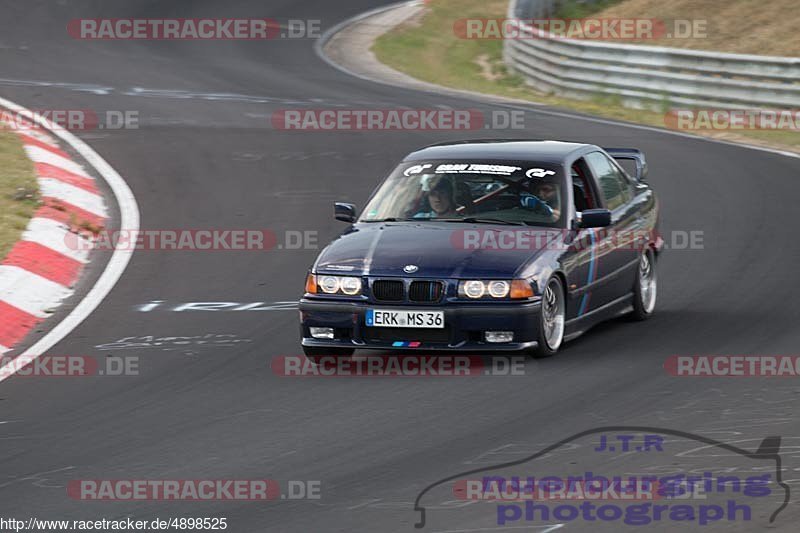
(436, 249)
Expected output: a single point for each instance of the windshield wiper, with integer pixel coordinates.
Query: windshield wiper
(469, 220)
(482, 220)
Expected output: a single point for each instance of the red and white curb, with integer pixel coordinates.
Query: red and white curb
(42, 268)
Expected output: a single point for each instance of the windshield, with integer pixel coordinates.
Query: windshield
(502, 192)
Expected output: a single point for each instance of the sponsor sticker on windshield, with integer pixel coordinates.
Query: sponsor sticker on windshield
(539, 173)
(475, 168)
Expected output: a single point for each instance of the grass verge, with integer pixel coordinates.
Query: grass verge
(427, 48)
(19, 193)
(736, 26)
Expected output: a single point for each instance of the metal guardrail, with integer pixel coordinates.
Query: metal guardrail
(646, 76)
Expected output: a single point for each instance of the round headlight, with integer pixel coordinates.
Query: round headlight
(499, 289)
(474, 289)
(351, 286)
(329, 284)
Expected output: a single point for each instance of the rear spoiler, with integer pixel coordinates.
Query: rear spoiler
(633, 154)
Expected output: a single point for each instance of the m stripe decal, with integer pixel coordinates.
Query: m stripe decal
(590, 279)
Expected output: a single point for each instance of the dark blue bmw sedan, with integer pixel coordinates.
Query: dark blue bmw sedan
(487, 246)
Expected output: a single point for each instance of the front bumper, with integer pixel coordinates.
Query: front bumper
(465, 325)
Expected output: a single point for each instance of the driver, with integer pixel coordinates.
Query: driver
(545, 200)
(547, 191)
(440, 198)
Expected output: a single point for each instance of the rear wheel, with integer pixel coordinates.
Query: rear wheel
(645, 289)
(316, 354)
(551, 319)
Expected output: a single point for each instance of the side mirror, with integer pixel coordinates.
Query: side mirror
(594, 218)
(344, 212)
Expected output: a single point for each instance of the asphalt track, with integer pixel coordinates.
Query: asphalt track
(199, 412)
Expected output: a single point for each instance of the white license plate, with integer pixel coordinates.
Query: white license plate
(385, 318)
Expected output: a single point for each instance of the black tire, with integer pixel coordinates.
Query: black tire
(545, 347)
(316, 354)
(644, 303)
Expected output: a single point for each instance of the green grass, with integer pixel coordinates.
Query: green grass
(429, 49)
(18, 190)
(575, 9)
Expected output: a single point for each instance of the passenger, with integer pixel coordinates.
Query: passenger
(441, 200)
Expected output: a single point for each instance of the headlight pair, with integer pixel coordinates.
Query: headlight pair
(475, 289)
(325, 284)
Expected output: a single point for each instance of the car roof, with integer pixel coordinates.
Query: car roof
(504, 149)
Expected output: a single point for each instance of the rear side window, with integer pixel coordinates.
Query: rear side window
(614, 186)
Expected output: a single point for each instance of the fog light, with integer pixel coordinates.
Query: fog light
(322, 333)
(499, 336)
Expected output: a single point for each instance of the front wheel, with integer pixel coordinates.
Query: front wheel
(551, 319)
(316, 354)
(646, 287)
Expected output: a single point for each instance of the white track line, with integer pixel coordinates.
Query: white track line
(30, 292)
(56, 236)
(129, 219)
